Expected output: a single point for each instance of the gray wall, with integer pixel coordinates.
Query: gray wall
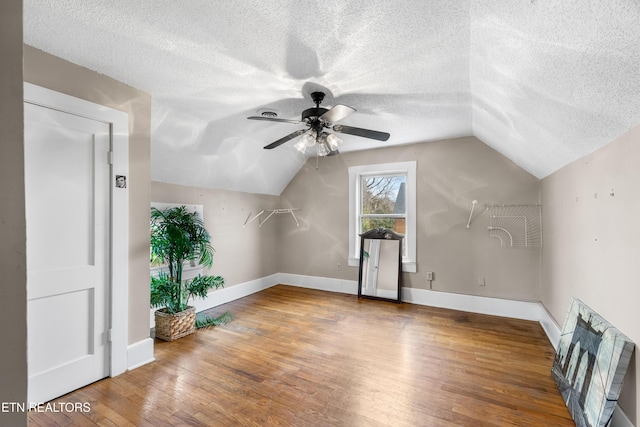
(54, 73)
(450, 174)
(13, 289)
(592, 243)
(242, 253)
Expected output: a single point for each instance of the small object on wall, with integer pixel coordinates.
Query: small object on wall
(473, 206)
(430, 279)
(590, 364)
(121, 181)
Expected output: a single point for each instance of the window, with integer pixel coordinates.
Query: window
(156, 265)
(382, 202)
(383, 195)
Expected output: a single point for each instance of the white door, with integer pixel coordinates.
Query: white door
(67, 209)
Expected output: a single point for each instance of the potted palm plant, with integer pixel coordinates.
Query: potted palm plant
(179, 237)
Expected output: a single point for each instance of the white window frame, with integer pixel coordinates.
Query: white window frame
(355, 178)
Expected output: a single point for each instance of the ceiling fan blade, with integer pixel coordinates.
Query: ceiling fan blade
(365, 133)
(285, 139)
(338, 112)
(274, 119)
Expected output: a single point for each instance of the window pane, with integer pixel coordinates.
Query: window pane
(395, 224)
(383, 194)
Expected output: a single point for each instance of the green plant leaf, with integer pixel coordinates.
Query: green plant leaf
(200, 285)
(205, 321)
(177, 237)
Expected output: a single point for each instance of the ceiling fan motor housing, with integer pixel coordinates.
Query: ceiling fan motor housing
(317, 97)
(310, 114)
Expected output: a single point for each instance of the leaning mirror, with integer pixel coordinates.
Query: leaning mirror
(380, 274)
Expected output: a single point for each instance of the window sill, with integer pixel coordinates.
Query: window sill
(188, 272)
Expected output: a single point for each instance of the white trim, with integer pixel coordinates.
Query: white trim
(140, 353)
(620, 419)
(188, 272)
(320, 283)
(409, 266)
(119, 123)
(224, 295)
(549, 326)
(470, 303)
(355, 172)
(474, 304)
(120, 245)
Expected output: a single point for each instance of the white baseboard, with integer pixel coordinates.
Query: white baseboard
(232, 293)
(620, 419)
(320, 283)
(225, 295)
(550, 326)
(493, 306)
(140, 353)
(473, 304)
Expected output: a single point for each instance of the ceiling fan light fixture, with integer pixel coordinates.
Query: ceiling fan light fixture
(333, 142)
(323, 150)
(309, 138)
(322, 138)
(301, 146)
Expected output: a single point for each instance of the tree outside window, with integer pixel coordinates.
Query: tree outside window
(383, 203)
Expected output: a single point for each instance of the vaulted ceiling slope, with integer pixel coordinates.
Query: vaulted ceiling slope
(544, 82)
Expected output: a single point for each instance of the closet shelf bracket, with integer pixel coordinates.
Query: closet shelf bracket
(270, 213)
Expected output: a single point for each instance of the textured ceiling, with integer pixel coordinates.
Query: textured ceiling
(542, 82)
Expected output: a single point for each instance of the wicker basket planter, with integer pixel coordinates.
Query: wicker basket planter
(170, 327)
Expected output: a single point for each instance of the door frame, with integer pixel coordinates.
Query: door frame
(118, 122)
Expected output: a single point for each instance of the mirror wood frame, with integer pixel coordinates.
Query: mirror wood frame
(381, 234)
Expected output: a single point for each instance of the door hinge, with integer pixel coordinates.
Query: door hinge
(110, 157)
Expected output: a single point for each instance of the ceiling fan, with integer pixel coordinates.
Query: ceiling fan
(317, 119)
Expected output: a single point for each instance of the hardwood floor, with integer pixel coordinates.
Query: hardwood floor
(300, 357)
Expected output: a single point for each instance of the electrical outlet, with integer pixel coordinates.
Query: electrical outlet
(481, 281)
(429, 275)
(339, 266)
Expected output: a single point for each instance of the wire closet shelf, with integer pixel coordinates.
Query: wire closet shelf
(517, 226)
